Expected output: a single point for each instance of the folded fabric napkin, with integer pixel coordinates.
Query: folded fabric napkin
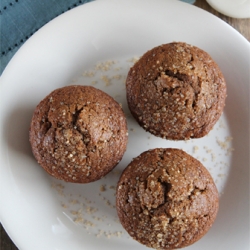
(20, 19)
(188, 1)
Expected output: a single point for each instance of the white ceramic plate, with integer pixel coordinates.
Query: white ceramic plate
(96, 44)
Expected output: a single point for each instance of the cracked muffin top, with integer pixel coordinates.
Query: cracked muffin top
(176, 91)
(166, 199)
(78, 133)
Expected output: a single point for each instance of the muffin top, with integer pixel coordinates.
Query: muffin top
(166, 199)
(78, 133)
(176, 91)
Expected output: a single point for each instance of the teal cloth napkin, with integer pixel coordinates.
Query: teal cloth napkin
(20, 19)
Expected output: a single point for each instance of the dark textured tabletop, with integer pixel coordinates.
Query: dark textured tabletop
(242, 25)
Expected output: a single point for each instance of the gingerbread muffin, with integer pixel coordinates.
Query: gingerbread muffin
(166, 199)
(78, 133)
(176, 91)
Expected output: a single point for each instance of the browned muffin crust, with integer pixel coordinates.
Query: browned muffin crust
(166, 199)
(78, 133)
(176, 91)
